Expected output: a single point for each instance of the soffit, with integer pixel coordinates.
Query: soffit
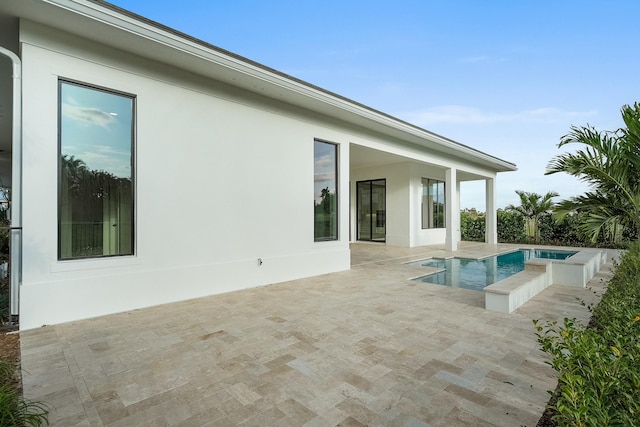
(115, 27)
(364, 157)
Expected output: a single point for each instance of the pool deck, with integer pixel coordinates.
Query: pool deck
(360, 347)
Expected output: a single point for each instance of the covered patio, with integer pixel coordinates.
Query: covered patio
(360, 347)
(406, 198)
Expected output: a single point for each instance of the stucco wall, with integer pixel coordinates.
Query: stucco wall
(397, 198)
(404, 202)
(420, 236)
(222, 179)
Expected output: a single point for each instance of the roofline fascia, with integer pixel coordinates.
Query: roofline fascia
(141, 26)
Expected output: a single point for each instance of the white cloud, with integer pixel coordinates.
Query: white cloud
(105, 158)
(324, 177)
(324, 162)
(89, 115)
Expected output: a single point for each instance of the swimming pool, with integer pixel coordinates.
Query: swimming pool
(477, 274)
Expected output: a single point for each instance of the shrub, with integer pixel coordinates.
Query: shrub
(510, 227)
(599, 366)
(566, 233)
(15, 410)
(472, 226)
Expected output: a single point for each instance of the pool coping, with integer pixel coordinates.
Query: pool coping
(440, 270)
(509, 294)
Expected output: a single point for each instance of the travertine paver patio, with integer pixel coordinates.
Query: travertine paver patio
(360, 347)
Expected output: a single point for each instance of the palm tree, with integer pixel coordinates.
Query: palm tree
(73, 172)
(610, 163)
(532, 206)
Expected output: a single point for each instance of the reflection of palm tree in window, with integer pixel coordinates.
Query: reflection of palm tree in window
(73, 171)
(327, 201)
(81, 180)
(324, 196)
(95, 205)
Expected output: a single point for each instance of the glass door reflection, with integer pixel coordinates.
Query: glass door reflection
(371, 199)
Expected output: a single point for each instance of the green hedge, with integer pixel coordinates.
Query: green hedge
(554, 232)
(599, 365)
(510, 226)
(511, 229)
(568, 233)
(472, 226)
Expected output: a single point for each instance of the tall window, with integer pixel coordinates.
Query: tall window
(96, 137)
(325, 203)
(433, 203)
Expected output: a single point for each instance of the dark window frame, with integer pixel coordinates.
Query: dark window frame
(336, 225)
(381, 216)
(431, 216)
(133, 98)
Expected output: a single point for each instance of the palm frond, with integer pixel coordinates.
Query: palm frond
(610, 163)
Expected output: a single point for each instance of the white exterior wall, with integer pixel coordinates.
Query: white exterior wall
(420, 236)
(397, 198)
(222, 179)
(404, 202)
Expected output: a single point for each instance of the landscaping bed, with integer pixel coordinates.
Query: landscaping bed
(598, 364)
(14, 409)
(10, 347)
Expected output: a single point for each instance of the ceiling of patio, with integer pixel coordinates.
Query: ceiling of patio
(364, 157)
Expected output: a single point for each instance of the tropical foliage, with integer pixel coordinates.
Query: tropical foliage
(14, 409)
(510, 226)
(472, 225)
(325, 215)
(88, 199)
(532, 206)
(599, 366)
(609, 161)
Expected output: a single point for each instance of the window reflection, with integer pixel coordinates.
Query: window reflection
(433, 204)
(96, 173)
(325, 157)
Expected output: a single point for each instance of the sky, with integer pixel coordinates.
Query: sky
(96, 128)
(506, 77)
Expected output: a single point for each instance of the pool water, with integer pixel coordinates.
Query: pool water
(476, 274)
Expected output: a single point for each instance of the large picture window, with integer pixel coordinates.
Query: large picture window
(96, 188)
(325, 203)
(433, 203)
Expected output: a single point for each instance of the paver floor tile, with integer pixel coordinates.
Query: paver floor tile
(366, 346)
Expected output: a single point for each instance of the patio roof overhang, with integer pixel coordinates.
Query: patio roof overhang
(118, 28)
(366, 157)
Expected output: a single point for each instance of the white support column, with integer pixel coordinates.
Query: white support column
(491, 226)
(452, 190)
(459, 233)
(344, 191)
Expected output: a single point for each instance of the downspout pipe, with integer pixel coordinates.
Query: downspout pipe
(16, 187)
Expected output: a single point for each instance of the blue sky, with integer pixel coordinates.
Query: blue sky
(505, 77)
(96, 128)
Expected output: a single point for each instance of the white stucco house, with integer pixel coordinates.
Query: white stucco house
(147, 167)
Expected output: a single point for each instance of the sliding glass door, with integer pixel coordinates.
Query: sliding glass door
(371, 201)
